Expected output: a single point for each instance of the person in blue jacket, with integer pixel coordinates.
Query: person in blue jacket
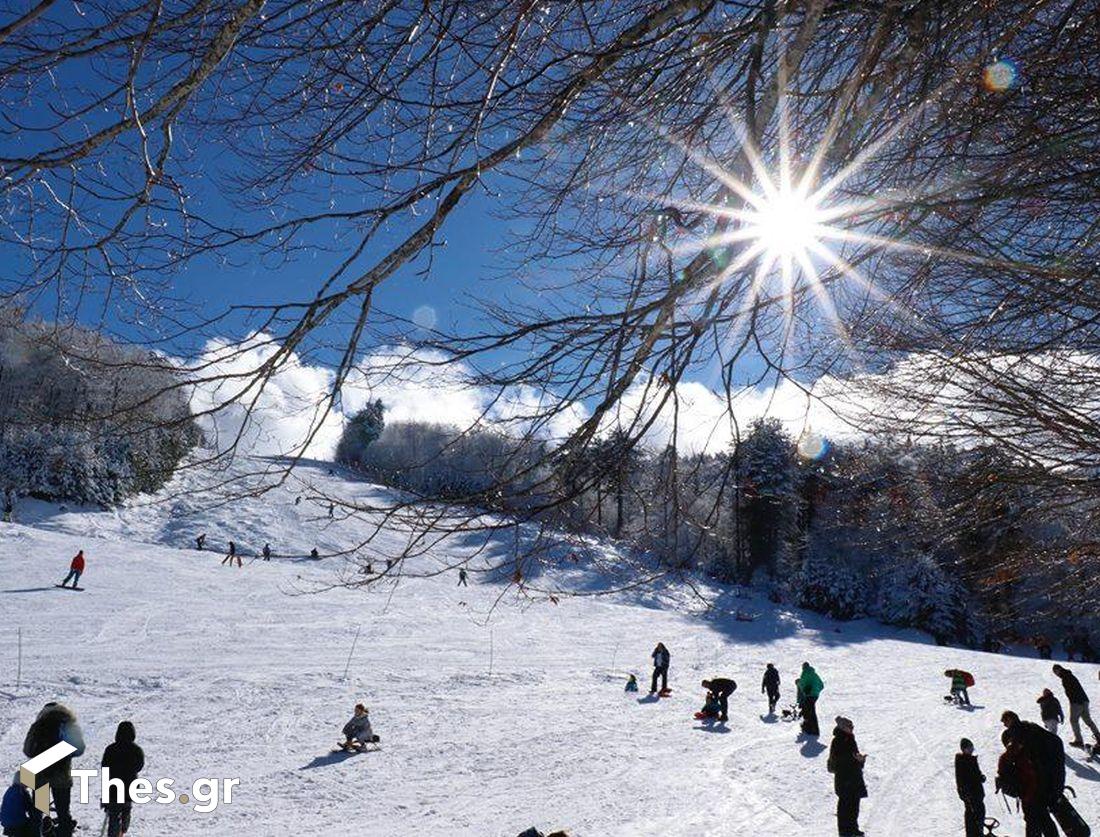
(18, 816)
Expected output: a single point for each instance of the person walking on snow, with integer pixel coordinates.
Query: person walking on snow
(18, 816)
(124, 760)
(200, 541)
(770, 687)
(1018, 775)
(811, 686)
(721, 688)
(267, 552)
(661, 660)
(462, 577)
(358, 732)
(846, 764)
(969, 783)
(1078, 706)
(76, 569)
(232, 554)
(56, 723)
(1050, 710)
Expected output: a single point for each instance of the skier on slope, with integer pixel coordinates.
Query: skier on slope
(721, 688)
(462, 577)
(661, 661)
(969, 783)
(770, 686)
(125, 760)
(18, 816)
(811, 686)
(200, 541)
(1050, 710)
(358, 732)
(1078, 706)
(56, 723)
(76, 569)
(846, 764)
(228, 559)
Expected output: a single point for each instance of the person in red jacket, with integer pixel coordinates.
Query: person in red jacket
(76, 567)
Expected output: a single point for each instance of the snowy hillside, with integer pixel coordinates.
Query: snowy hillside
(235, 673)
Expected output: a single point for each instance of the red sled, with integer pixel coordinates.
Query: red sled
(705, 716)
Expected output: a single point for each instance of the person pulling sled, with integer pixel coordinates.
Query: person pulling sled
(960, 682)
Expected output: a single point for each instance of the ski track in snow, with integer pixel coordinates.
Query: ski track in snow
(228, 672)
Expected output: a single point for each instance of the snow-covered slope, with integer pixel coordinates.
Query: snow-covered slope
(488, 726)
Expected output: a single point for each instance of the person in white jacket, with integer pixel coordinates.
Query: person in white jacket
(56, 723)
(358, 732)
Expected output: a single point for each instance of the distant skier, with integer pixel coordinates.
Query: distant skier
(811, 686)
(1050, 710)
(18, 816)
(125, 760)
(76, 569)
(462, 577)
(200, 542)
(331, 509)
(960, 680)
(721, 688)
(267, 552)
(1078, 706)
(661, 661)
(969, 784)
(770, 687)
(358, 732)
(846, 764)
(56, 723)
(232, 554)
(631, 684)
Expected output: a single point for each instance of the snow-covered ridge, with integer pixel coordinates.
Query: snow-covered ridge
(489, 725)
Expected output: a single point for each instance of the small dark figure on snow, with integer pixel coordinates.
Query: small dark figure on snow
(54, 724)
(18, 816)
(846, 764)
(298, 500)
(314, 554)
(267, 552)
(125, 760)
(810, 687)
(200, 542)
(969, 783)
(462, 577)
(228, 559)
(389, 563)
(710, 709)
(1050, 710)
(1078, 706)
(721, 688)
(358, 732)
(631, 684)
(770, 686)
(331, 509)
(76, 569)
(661, 660)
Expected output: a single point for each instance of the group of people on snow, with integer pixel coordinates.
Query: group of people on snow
(123, 759)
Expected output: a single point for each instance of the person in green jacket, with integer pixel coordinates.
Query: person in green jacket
(811, 686)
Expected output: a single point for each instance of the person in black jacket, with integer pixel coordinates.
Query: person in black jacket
(124, 760)
(1046, 753)
(1050, 710)
(721, 688)
(1078, 706)
(770, 686)
(661, 660)
(968, 782)
(846, 764)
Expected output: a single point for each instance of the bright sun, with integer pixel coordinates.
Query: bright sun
(785, 224)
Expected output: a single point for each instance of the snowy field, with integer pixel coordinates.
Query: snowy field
(231, 672)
